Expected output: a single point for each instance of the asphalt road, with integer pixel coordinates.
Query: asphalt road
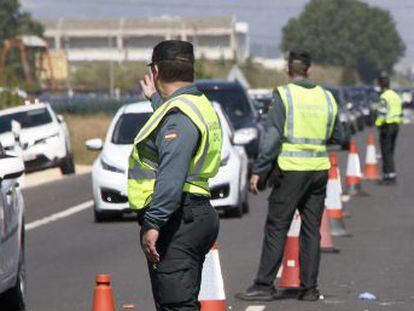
(63, 256)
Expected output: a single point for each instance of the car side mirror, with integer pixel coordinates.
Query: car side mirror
(60, 118)
(11, 167)
(94, 144)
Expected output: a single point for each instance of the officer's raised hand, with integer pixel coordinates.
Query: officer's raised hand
(149, 242)
(254, 181)
(148, 86)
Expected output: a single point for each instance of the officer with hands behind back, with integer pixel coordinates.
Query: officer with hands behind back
(174, 155)
(301, 121)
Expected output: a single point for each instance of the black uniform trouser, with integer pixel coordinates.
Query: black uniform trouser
(182, 246)
(388, 137)
(304, 191)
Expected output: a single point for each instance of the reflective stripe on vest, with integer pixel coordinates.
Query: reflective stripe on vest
(301, 150)
(312, 141)
(205, 163)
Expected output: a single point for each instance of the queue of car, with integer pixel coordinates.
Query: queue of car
(34, 137)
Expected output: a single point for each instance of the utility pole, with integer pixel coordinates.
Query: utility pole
(111, 69)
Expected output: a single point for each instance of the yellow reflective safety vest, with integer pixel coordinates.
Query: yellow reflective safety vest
(142, 169)
(390, 108)
(310, 118)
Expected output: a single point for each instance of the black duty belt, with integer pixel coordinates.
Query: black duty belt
(189, 202)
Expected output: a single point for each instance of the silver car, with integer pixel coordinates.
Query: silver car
(12, 269)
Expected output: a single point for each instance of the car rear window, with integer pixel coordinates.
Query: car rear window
(127, 127)
(30, 118)
(233, 101)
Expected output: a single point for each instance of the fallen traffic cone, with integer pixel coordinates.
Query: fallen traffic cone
(212, 296)
(327, 245)
(103, 296)
(333, 205)
(371, 169)
(290, 271)
(353, 171)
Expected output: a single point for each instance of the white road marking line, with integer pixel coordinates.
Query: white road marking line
(63, 214)
(255, 308)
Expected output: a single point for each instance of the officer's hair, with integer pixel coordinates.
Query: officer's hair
(298, 68)
(173, 71)
(384, 82)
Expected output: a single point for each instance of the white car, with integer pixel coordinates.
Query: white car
(41, 136)
(12, 267)
(109, 173)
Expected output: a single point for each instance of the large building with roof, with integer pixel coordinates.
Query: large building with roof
(132, 39)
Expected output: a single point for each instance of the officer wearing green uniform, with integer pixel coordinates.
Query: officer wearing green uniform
(174, 155)
(389, 117)
(302, 119)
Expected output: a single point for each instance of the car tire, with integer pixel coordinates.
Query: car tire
(14, 298)
(236, 211)
(67, 166)
(246, 207)
(100, 216)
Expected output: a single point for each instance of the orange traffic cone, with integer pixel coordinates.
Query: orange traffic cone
(103, 296)
(371, 169)
(290, 271)
(353, 172)
(212, 296)
(333, 204)
(327, 245)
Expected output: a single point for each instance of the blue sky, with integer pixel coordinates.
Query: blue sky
(265, 17)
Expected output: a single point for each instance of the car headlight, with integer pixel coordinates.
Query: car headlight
(48, 139)
(245, 135)
(343, 117)
(111, 168)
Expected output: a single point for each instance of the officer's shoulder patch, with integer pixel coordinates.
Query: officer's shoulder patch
(170, 135)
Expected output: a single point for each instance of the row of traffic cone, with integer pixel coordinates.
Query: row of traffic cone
(212, 295)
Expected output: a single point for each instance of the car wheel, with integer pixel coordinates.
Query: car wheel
(246, 207)
(100, 216)
(67, 166)
(14, 298)
(235, 211)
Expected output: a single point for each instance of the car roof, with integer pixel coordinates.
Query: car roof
(217, 84)
(22, 108)
(139, 107)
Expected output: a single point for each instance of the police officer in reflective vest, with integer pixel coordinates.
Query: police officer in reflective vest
(174, 155)
(389, 116)
(302, 119)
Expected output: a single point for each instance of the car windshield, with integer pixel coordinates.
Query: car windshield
(30, 118)
(128, 126)
(233, 101)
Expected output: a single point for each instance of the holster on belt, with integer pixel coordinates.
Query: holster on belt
(187, 209)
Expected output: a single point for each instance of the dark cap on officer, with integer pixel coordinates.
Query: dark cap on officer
(384, 79)
(173, 50)
(301, 56)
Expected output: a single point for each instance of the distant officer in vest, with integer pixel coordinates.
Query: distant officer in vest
(389, 117)
(174, 155)
(302, 119)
